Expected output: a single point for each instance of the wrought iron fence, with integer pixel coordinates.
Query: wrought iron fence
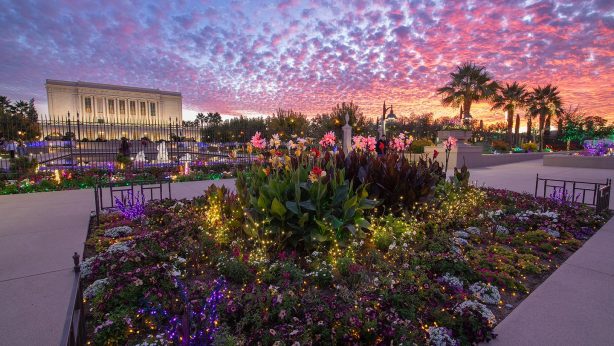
(596, 194)
(77, 143)
(74, 325)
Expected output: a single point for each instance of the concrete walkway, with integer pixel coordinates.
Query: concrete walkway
(38, 234)
(575, 305)
(521, 176)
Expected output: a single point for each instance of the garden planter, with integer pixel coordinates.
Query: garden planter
(461, 135)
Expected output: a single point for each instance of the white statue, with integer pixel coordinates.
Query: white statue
(162, 153)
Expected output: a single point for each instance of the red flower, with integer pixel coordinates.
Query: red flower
(316, 170)
(315, 152)
(435, 153)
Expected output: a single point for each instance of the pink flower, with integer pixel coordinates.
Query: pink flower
(359, 142)
(257, 141)
(370, 143)
(450, 143)
(398, 143)
(328, 140)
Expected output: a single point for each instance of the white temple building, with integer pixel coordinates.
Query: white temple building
(112, 103)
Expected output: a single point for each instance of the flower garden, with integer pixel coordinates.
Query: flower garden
(316, 247)
(72, 179)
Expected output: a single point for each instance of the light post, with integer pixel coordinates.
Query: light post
(386, 117)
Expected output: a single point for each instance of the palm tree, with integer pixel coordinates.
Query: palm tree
(469, 83)
(200, 118)
(544, 102)
(509, 99)
(21, 108)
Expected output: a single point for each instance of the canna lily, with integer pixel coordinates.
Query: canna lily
(328, 140)
(257, 141)
(316, 173)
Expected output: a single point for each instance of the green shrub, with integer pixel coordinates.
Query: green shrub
(23, 165)
(530, 146)
(235, 270)
(500, 146)
(418, 145)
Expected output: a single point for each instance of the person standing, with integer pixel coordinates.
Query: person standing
(381, 146)
(11, 147)
(21, 149)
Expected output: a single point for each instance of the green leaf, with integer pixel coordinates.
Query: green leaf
(263, 203)
(335, 222)
(293, 207)
(349, 203)
(362, 222)
(303, 219)
(277, 208)
(308, 205)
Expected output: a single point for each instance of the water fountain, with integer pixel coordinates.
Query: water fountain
(140, 156)
(186, 158)
(162, 153)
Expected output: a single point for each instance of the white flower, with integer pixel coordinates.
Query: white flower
(117, 232)
(96, 287)
(470, 305)
(392, 246)
(451, 281)
(473, 230)
(487, 294)
(86, 267)
(441, 336)
(119, 247)
(499, 229)
(461, 234)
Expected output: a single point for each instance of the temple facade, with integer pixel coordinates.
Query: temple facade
(105, 103)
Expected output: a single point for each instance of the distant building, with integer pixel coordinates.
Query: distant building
(112, 103)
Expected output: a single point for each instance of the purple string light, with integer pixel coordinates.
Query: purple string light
(133, 208)
(193, 328)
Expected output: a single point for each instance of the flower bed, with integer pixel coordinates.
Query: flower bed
(72, 179)
(444, 275)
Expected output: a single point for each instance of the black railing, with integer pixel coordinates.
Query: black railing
(74, 325)
(596, 194)
(129, 194)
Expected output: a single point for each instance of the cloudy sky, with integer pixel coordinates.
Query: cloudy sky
(239, 57)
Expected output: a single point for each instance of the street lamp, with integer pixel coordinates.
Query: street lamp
(385, 117)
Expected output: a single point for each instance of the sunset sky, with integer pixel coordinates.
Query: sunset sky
(253, 57)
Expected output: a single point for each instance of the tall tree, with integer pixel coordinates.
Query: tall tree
(200, 118)
(530, 116)
(468, 83)
(517, 130)
(213, 118)
(287, 122)
(510, 98)
(31, 113)
(544, 102)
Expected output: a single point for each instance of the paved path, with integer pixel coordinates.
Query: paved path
(575, 305)
(520, 176)
(38, 234)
